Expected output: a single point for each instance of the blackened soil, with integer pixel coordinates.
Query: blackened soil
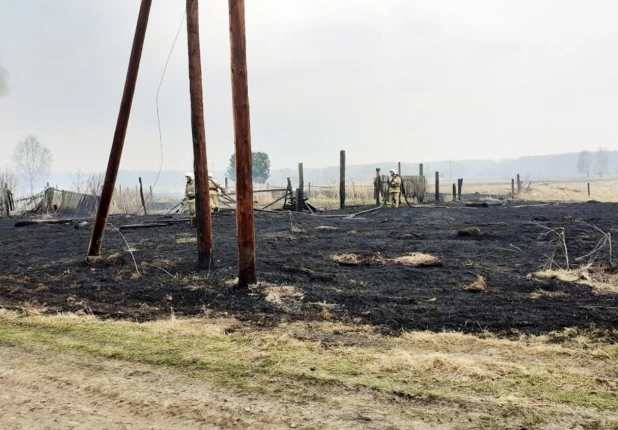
(44, 266)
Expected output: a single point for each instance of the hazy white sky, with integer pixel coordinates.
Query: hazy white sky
(414, 80)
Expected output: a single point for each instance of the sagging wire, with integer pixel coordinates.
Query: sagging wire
(169, 56)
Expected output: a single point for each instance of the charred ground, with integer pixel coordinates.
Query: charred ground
(44, 266)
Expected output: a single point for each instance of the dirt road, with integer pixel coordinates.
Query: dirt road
(45, 390)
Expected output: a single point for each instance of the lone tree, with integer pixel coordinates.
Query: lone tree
(32, 159)
(603, 161)
(583, 163)
(261, 167)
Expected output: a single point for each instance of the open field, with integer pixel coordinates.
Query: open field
(435, 317)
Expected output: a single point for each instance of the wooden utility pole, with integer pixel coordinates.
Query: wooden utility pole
(100, 222)
(518, 184)
(399, 168)
(420, 169)
(200, 161)
(342, 180)
(300, 200)
(437, 186)
(454, 192)
(242, 132)
(512, 188)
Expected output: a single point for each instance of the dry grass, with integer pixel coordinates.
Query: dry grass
(601, 281)
(326, 228)
(182, 240)
(298, 230)
(418, 259)
(470, 381)
(348, 259)
(279, 294)
(479, 285)
(544, 294)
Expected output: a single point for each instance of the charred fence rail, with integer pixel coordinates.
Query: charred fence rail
(414, 186)
(61, 202)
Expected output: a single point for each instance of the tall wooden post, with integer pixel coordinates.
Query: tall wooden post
(399, 168)
(342, 180)
(588, 188)
(300, 201)
(242, 132)
(518, 184)
(378, 187)
(454, 192)
(459, 187)
(226, 184)
(420, 169)
(200, 161)
(512, 188)
(437, 186)
(98, 230)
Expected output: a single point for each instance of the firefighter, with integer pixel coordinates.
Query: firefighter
(190, 196)
(394, 189)
(214, 187)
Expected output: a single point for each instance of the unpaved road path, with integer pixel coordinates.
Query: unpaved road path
(46, 390)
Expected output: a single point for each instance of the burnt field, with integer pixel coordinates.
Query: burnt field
(43, 267)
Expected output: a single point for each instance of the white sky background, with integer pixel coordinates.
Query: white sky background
(409, 80)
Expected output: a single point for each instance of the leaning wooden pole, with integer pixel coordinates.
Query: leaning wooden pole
(242, 133)
(198, 131)
(100, 222)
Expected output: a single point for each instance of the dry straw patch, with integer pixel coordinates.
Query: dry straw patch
(279, 294)
(544, 294)
(418, 259)
(479, 285)
(186, 240)
(348, 259)
(326, 228)
(600, 281)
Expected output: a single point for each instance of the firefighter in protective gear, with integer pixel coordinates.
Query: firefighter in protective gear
(394, 189)
(214, 186)
(190, 195)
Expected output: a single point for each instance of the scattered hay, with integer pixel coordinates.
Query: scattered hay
(326, 228)
(298, 230)
(418, 259)
(231, 283)
(479, 285)
(348, 259)
(186, 240)
(279, 294)
(469, 231)
(116, 259)
(600, 279)
(544, 294)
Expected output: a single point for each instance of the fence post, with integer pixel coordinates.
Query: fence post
(226, 184)
(459, 187)
(437, 186)
(454, 192)
(588, 188)
(141, 196)
(420, 169)
(512, 188)
(301, 184)
(399, 168)
(518, 184)
(342, 180)
(378, 186)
